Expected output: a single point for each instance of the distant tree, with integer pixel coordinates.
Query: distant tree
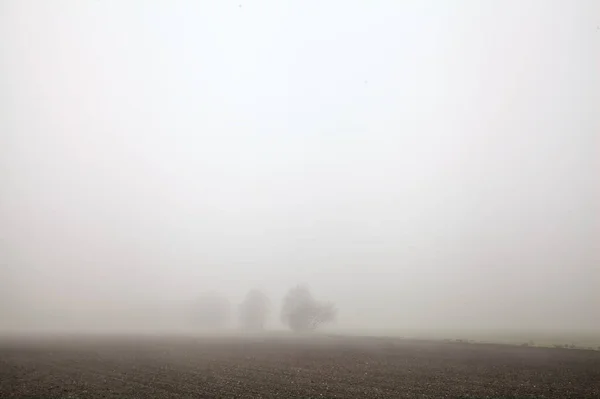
(301, 312)
(211, 310)
(254, 310)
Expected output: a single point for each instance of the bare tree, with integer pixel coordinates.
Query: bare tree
(254, 310)
(301, 312)
(211, 310)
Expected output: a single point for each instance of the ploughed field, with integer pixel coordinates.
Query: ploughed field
(286, 366)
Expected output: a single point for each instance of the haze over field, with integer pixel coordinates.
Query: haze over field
(422, 164)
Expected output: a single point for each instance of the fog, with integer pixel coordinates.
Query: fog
(422, 164)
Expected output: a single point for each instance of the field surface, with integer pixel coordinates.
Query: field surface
(285, 367)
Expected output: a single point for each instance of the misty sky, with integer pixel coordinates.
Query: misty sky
(418, 162)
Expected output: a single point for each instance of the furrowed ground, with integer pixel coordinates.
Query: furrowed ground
(267, 367)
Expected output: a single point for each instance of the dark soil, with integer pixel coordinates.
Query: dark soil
(270, 367)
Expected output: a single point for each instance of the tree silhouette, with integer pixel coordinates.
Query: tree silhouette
(254, 310)
(301, 312)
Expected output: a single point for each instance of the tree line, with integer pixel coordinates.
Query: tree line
(300, 310)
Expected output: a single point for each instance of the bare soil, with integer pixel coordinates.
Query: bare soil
(271, 367)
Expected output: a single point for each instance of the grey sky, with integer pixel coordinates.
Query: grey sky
(419, 162)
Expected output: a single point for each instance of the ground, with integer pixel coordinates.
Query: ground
(268, 367)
